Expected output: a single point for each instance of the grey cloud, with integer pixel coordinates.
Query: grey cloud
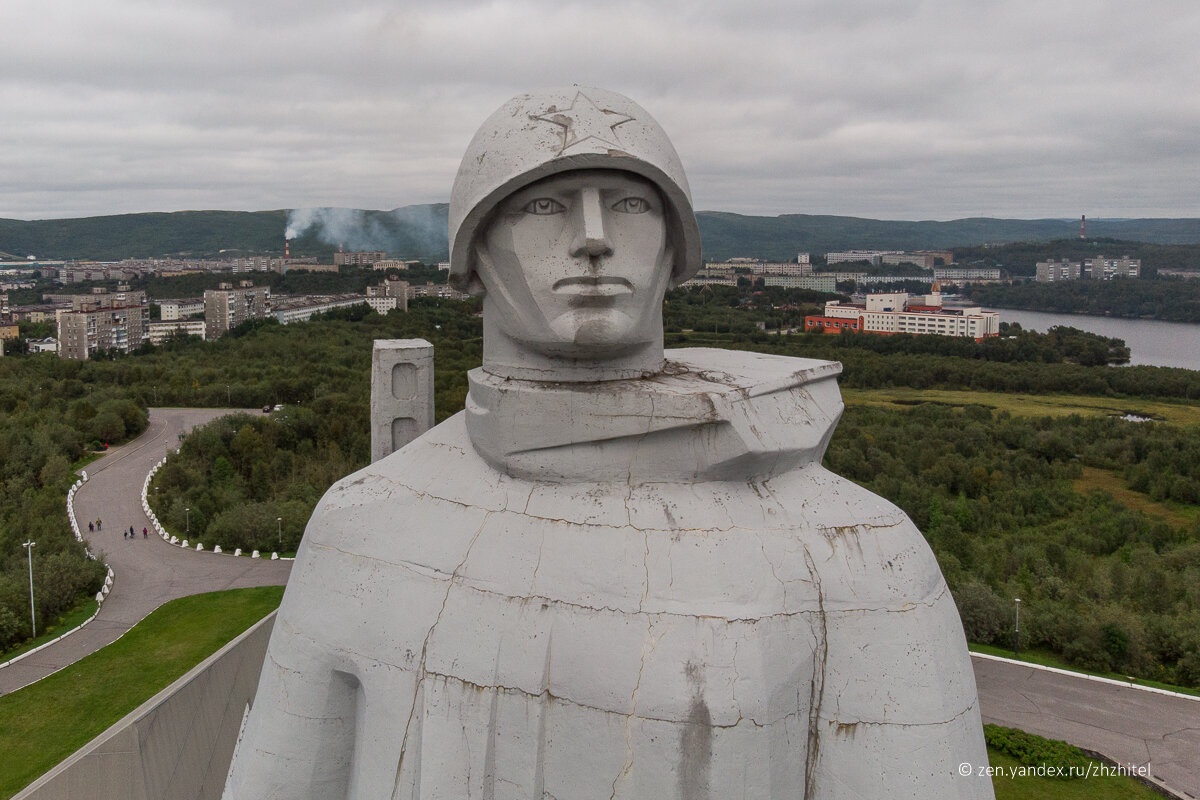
(875, 108)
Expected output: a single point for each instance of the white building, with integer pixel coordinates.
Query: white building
(817, 283)
(387, 296)
(47, 345)
(873, 256)
(895, 312)
(161, 331)
(302, 310)
(964, 274)
(181, 308)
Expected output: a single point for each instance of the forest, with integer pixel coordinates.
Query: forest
(1105, 586)
(52, 414)
(1167, 298)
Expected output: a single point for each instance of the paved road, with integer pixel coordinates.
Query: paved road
(147, 572)
(1128, 725)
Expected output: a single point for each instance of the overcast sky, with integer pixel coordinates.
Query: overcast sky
(893, 109)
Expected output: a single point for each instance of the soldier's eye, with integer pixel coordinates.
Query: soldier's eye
(543, 206)
(632, 205)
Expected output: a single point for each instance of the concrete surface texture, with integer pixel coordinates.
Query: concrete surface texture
(148, 572)
(1131, 726)
(175, 746)
(603, 580)
(401, 393)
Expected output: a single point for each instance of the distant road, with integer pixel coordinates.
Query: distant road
(1130, 726)
(147, 572)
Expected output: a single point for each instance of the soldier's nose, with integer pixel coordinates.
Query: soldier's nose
(591, 238)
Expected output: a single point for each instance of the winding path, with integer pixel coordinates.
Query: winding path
(147, 572)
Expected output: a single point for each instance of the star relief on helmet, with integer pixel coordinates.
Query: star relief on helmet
(585, 120)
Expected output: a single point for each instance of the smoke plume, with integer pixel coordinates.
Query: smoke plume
(408, 232)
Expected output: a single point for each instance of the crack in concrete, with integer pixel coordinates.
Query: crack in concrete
(817, 687)
(421, 673)
(881, 723)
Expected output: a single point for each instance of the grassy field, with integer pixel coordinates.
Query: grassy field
(42, 724)
(72, 619)
(1029, 405)
(1180, 516)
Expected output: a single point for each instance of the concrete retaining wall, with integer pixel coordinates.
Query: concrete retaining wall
(175, 746)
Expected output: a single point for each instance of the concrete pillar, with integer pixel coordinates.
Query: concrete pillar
(401, 393)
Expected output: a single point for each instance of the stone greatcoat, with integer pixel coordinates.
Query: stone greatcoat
(653, 590)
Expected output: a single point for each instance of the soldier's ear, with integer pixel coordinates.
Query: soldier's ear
(668, 263)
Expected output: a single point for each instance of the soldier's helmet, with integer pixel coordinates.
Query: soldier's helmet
(547, 132)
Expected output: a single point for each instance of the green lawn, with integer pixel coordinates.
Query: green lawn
(42, 724)
(1089, 788)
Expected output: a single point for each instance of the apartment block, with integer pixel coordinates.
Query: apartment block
(227, 307)
(103, 321)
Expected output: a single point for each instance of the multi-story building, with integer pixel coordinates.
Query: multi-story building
(302, 309)
(259, 264)
(441, 290)
(395, 263)
(1105, 269)
(387, 296)
(227, 307)
(922, 260)
(161, 331)
(894, 312)
(872, 256)
(795, 268)
(181, 308)
(1053, 271)
(362, 258)
(965, 274)
(1096, 269)
(103, 321)
(714, 275)
(816, 283)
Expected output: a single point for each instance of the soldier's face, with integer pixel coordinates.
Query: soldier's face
(576, 264)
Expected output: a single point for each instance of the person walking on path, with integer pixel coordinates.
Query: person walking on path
(132, 532)
(145, 534)
(98, 524)
(124, 534)
(91, 527)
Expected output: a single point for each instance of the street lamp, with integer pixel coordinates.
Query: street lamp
(187, 521)
(279, 528)
(228, 395)
(1017, 630)
(32, 614)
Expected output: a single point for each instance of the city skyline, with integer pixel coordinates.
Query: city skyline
(888, 110)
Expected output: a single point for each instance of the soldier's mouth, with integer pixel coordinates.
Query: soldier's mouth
(594, 286)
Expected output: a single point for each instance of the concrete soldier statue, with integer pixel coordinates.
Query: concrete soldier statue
(620, 572)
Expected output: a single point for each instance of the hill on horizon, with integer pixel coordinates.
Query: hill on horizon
(419, 232)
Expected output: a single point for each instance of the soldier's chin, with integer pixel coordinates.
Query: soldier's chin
(606, 336)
